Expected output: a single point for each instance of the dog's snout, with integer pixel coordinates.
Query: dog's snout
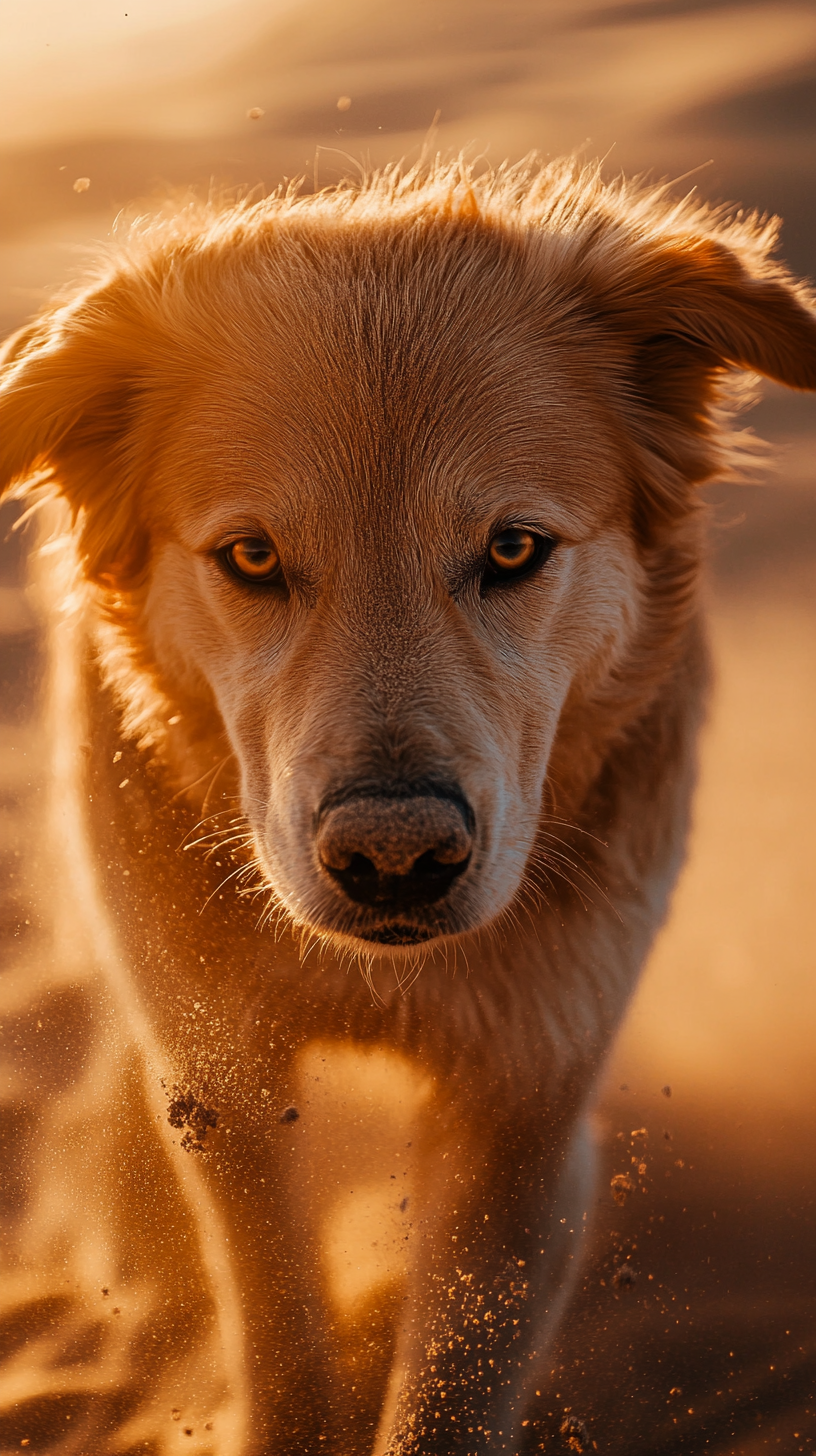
(387, 852)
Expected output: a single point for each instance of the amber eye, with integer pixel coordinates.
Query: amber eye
(516, 550)
(253, 559)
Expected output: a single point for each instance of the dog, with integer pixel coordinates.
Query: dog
(378, 664)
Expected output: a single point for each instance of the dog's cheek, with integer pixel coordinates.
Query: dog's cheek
(264, 726)
(574, 644)
(177, 623)
(208, 664)
(534, 658)
(600, 613)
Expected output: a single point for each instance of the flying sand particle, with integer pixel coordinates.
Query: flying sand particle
(620, 1185)
(624, 1277)
(574, 1433)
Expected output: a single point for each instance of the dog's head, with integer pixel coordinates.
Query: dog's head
(400, 489)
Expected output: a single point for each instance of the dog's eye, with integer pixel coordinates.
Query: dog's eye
(515, 551)
(253, 559)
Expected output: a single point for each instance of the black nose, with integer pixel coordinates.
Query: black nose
(394, 851)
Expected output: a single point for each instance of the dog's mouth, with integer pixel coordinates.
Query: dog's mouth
(396, 934)
(402, 912)
(356, 928)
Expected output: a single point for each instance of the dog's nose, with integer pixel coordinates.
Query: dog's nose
(394, 851)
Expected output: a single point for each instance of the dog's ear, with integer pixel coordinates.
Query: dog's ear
(690, 311)
(71, 384)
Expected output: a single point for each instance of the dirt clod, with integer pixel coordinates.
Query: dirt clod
(620, 1185)
(188, 1111)
(289, 1114)
(624, 1277)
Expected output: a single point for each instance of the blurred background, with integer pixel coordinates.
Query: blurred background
(696, 1326)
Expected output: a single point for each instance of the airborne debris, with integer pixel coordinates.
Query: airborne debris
(82, 184)
(666, 1091)
(620, 1185)
(624, 1277)
(254, 114)
(574, 1433)
(289, 1114)
(343, 103)
(188, 1111)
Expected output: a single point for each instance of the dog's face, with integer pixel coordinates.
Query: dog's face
(401, 500)
(390, 575)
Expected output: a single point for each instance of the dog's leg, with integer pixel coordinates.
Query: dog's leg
(497, 1253)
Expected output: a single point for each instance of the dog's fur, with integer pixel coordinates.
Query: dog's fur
(377, 378)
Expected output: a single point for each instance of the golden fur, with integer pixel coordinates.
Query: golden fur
(377, 379)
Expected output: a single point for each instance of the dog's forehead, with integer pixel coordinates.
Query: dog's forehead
(374, 383)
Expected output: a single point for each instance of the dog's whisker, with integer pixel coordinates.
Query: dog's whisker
(208, 819)
(562, 860)
(573, 828)
(214, 780)
(366, 963)
(225, 881)
(562, 874)
(194, 783)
